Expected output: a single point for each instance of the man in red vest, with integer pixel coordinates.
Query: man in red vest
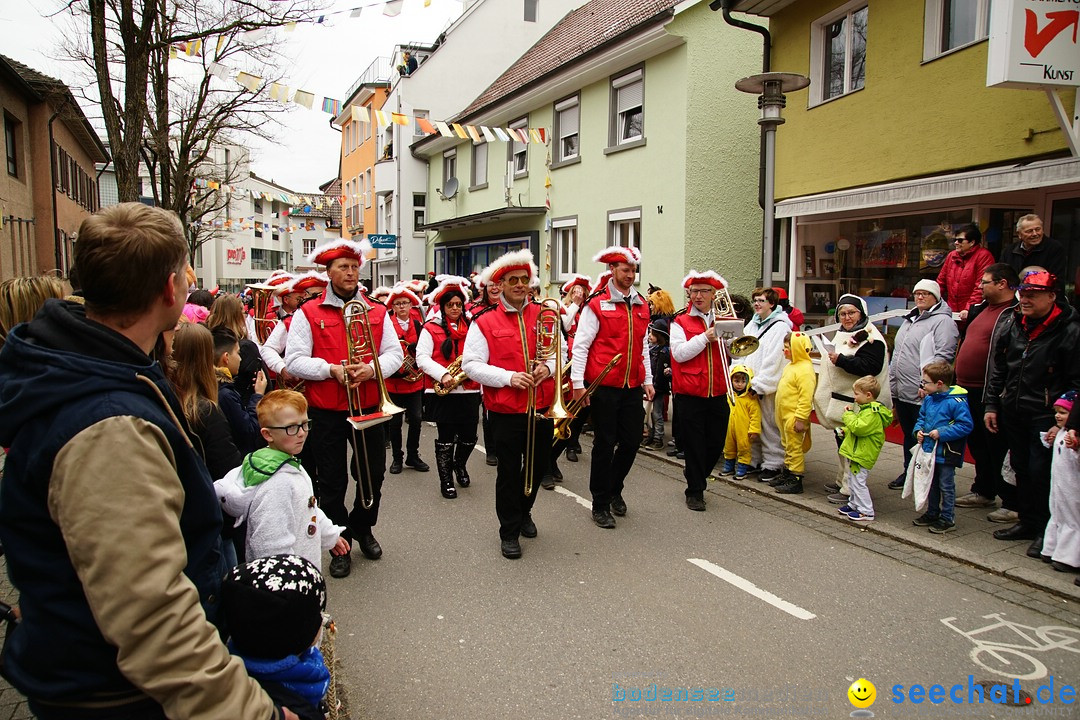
(699, 383)
(317, 352)
(290, 294)
(404, 391)
(613, 322)
(500, 352)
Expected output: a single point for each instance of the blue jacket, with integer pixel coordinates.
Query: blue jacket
(949, 414)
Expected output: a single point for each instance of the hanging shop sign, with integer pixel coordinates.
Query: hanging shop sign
(1034, 44)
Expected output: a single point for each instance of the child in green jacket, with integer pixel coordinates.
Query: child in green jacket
(864, 434)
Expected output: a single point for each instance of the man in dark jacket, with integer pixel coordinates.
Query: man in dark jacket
(1035, 248)
(1032, 365)
(107, 515)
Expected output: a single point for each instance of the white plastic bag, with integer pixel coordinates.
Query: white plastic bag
(1007, 472)
(920, 474)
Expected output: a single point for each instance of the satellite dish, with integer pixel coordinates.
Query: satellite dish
(450, 188)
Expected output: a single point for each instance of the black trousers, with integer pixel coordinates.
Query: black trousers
(575, 434)
(413, 403)
(989, 451)
(1031, 462)
(617, 418)
(456, 416)
(907, 414)
(331, 436)
(512, 505)
(703, 431)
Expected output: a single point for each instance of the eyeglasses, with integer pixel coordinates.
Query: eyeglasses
(292, 430)
(922, 293)
(850, 313)
(759, 300)
(517, 280)
(924, 383)
(454, 305)
(700, 291)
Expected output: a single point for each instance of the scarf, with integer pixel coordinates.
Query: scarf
(759, 322)
(261, 465)
(1034, 328)
(305, 674)
(223, 374)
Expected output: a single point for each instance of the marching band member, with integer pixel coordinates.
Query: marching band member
(574, 292)
(499, 354)
(614, 321)
(406, 390)
(290, 295)
(317, 352)
(454, 413)
(699, 383)
(380, 294)
(487, 296)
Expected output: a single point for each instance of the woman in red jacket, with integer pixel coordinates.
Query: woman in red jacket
(962, 271)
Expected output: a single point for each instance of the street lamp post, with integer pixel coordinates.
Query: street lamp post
(770, 88)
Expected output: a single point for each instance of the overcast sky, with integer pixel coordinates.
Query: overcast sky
(324, 60)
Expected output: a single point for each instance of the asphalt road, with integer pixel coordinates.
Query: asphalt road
(764, 616)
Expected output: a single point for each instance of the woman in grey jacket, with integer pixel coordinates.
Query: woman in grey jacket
(929, 333)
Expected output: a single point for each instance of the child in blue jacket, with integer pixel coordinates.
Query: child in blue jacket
(944, 418)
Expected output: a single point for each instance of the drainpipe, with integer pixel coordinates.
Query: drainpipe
(52, 175)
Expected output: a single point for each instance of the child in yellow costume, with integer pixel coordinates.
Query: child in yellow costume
(794, 401)
(744, 423)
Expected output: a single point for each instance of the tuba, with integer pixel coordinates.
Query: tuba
(261, 296)
(728, 331)
(457, 377)
(548, 341)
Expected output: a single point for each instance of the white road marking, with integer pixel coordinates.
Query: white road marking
(577, 498)
(481, 448)
(747, 586)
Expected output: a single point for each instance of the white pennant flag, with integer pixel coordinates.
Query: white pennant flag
(392, 8)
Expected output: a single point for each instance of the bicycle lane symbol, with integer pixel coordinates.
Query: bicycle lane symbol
(1008, 649)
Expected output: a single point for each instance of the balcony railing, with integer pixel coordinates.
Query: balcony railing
(378, 71)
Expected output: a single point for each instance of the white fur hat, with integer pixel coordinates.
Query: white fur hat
(618, 254)
(704, 277)
(328, 253)
(517, 260)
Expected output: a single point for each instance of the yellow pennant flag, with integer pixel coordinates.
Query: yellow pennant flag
(251, 82)
(381, 118)
(361, 113)
(399, 119)
(534, 135)
(303, 97)
(459, 131)
(471, 129)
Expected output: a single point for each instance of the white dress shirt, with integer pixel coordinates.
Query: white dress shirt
(424, 347)
(587, 328)
(475, 356)
(298, 346)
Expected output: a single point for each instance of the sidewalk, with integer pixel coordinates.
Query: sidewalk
(972, 541)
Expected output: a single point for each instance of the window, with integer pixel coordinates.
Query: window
(479, 166)
(388, 214)
(519, 151)
(418, 115)
(449, 165)
(624, 228)
(951, 24)
(419, 201)
(564, 253)
(838, 42)
(628, 108)
(370, 188)
(566, 130)
(367, 125)
(11, 144)
(309, 245)
(530, 10)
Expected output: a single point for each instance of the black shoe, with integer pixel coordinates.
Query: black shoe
(792, 487)
(395, 467)
(782, 477)
(603, 519)
(925, 520)
(1077, 582)
(511, 549)
(1035, 549)
(1016, 532)
(618, 506)
(832, 487)
(341, 565)
(547, 482)
(370, 547)
(672, 451)
(571, 455)
(414, 462)
(462, 451)
(767, 475)
(491, 460)
(897, 484)
(444, 462)
(680, 455)
(1062, 567)
(556, 472)
(695, 503)
(528, 527)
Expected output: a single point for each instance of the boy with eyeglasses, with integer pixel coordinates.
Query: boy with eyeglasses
(273, 493)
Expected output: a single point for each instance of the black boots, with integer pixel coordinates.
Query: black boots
(461, 457)
(395, 466)
(444, 461)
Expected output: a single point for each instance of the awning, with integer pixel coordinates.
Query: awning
(1043, 173)
(490, 216)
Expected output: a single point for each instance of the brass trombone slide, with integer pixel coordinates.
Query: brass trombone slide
(562, 425)
(548, 344)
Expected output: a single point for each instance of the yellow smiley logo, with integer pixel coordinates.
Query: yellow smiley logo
(862, 693)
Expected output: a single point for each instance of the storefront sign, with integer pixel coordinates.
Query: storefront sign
(1034, 44)
(383, 242)
(235, 256)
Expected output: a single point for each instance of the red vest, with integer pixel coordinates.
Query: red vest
(438, 335)
(410, 336)
(328, 343)
(508, 335)
(703, 374)
(622, 330)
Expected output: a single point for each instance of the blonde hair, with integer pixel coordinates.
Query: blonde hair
(22, 297)
(193, 375)
(868, 384)
(275, 401)
(228, 311)
(661, 302)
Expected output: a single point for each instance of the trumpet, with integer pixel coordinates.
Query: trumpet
(728, 326)
(457, 376)
(562, 425)
(360, 344)
(548, 340)
(410, 372)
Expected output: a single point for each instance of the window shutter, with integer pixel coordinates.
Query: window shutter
(568, 121)
(630, 96)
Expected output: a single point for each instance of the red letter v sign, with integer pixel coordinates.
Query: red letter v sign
(1036, 40)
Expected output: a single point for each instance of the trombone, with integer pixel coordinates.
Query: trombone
(360, 344)
(728, 328)
(548, 341)
(562, 425)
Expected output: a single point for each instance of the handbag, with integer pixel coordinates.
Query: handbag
(920, 475)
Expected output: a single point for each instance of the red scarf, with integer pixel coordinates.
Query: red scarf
(1037, 330)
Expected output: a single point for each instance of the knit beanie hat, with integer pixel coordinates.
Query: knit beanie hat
(1066, 401)
(273, 606)
(929, 286)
